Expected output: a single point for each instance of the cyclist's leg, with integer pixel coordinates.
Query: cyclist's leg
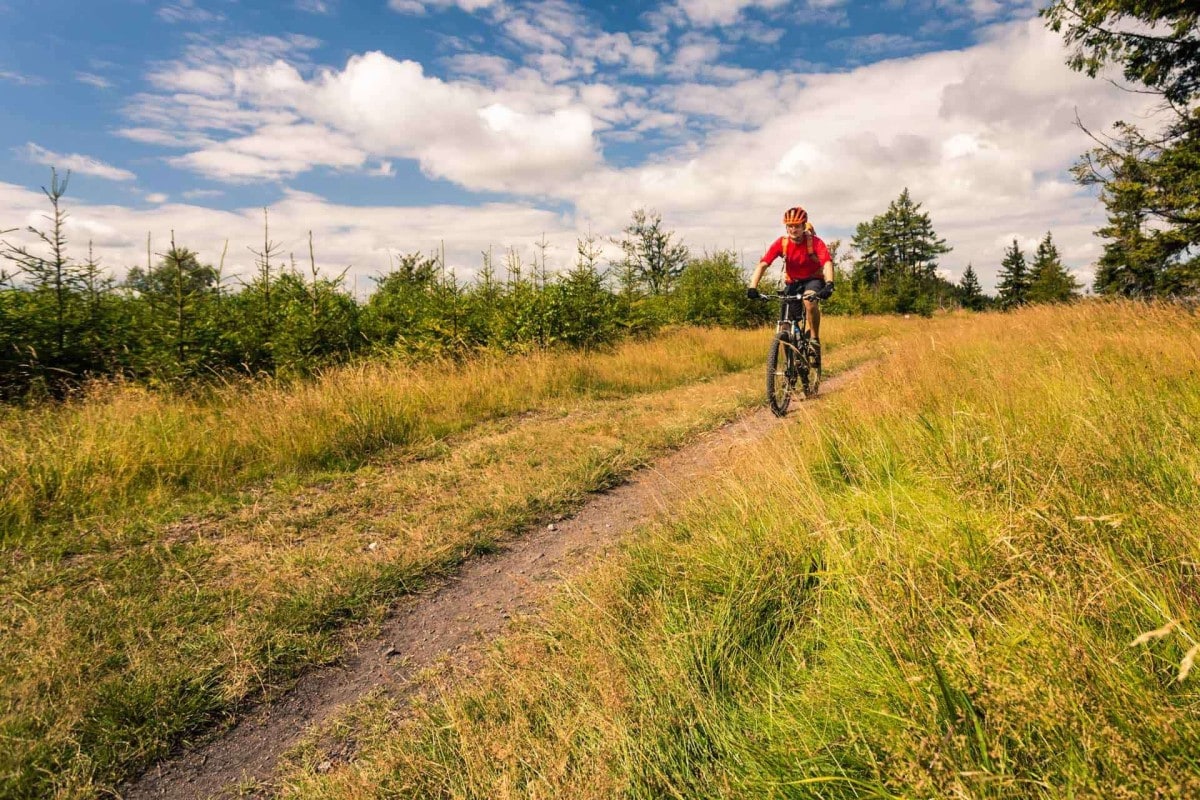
(812, 308)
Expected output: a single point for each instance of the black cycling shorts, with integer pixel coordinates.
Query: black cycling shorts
(798, 288)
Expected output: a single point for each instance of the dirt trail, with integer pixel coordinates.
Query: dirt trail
(455, 620)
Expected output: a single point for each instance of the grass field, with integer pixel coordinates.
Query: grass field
(165, 559)
(973, 576)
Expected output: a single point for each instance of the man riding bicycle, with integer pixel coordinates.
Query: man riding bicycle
(806, 263)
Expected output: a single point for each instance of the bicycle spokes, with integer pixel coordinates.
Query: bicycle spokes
(782, 373)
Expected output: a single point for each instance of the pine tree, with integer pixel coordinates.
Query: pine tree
(1134, 258)
(1150, 184)
(1013, 284)
(898, 252)
(900, 243)
(57, 276)
(970, 292)
(1049, 280)
(175, 295)
(916, 245)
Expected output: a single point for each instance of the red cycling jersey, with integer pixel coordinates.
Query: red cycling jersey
(800, 266)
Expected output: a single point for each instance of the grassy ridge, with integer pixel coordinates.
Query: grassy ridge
(133, 625)
(938, 584)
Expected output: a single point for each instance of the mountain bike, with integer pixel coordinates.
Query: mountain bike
(794, 356)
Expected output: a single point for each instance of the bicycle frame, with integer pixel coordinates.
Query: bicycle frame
(801, 359)
(796, 328)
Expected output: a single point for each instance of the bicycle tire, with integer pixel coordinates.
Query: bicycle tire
(781, 377)
(812, 375)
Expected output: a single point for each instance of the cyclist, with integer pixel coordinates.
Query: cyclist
(806, 263)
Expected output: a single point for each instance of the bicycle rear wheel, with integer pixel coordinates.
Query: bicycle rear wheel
(782, 372)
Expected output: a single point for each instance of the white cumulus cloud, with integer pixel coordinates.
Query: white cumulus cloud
(269, 121)
(360, 238)
(982, 136)
(77, 163)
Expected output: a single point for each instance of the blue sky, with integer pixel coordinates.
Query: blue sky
(398, 125)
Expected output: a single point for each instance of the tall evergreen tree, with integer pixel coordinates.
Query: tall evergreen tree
(1013, 286)
(899, 243)
(896, 268)
(57, 276)
(1149, 184)
(1049, 280)
(53, 330)
(970, 292)
(1136, 258)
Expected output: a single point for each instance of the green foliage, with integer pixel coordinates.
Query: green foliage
(899, 243)
(172, 315)
(896, 269)
(1014, 278)
(581, 309)
(1049, 280)
(318, 324)
(1150, 184)
(711, 291)
(48, 342)
(970, 292)
(1161, 53)
(396, 311)
(653, 260)
(1153, 218)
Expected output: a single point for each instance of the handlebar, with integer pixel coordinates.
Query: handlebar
(809, 295)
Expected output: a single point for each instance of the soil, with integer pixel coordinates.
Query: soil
(454, 622)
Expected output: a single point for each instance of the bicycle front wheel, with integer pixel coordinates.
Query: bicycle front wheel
(812, 375)
(781, 374)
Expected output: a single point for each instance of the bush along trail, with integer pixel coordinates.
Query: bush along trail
(973, 574)
(172, 560)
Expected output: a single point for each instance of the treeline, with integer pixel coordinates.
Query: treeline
(178, 319)
(893, 268)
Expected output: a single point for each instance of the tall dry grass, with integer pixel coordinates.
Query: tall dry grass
(973, 575)
(124, 446)
(129, 625)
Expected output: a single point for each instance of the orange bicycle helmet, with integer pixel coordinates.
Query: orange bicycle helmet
(795, 216)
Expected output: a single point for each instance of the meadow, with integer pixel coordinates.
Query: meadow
(970, 572)
(972, 575)
(168, 558)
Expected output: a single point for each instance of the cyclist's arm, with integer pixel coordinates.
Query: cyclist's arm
(825, 257)
(758, 273)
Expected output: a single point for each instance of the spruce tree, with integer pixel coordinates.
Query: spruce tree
(1149, 182)
(898, 252)
(176, 299)
(970, 292)
(1134, 259)
(1013, 286)
(899, 243)
(1049, 280)
(916, 245)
